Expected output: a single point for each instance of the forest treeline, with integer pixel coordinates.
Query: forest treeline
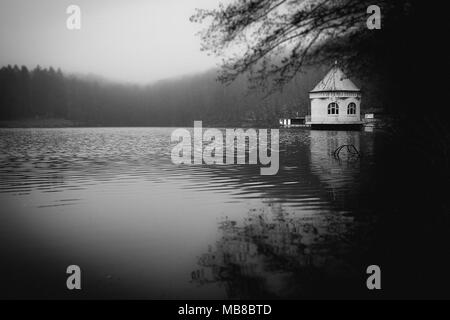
(48, 93)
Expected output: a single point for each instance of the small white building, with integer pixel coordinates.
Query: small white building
(335, 102)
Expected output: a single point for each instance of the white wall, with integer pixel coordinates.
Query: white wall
(319, 110)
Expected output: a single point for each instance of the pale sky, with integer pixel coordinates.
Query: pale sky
(127, 40)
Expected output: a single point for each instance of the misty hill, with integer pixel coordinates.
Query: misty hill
(88, 100)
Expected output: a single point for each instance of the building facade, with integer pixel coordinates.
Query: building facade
(335, 101)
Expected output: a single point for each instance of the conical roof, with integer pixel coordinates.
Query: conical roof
(335, 80)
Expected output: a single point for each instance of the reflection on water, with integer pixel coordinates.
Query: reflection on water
(279, 254)
(276, 251)
(111, 201)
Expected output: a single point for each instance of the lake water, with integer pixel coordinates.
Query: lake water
(111, 201)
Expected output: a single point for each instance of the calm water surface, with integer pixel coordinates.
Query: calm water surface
(111, 201)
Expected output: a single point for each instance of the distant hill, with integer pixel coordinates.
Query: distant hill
(90, 100)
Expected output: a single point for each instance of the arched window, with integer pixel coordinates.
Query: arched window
(333, 108)
(351, 109)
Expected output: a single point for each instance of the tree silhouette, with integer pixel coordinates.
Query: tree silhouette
(48, 93)
(273, 40)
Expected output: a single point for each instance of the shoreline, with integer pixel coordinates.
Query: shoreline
(38, 123)
(64, 123)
